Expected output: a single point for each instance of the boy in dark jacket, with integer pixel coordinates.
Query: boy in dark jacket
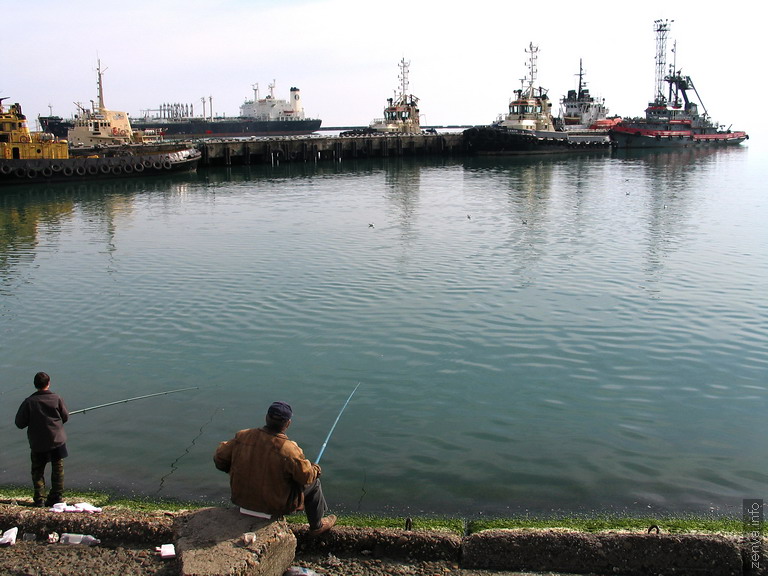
(43, 414)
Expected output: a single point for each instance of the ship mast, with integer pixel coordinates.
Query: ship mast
(403, 77)
(99, 87)
(534, 52)
(662, 31)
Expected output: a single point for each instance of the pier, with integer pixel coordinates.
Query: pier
(312, 148)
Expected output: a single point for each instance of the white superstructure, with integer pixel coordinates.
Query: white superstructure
(271, 108)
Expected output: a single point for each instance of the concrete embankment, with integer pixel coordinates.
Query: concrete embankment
(216, 535)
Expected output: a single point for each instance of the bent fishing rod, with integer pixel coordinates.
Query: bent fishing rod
(322, 449)
(131, 400)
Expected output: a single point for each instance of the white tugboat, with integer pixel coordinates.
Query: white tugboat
(529, 127)
(100, 127)
(579, 110)
(531, 109)
(401, 114)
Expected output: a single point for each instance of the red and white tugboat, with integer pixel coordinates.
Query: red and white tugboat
(672, 119)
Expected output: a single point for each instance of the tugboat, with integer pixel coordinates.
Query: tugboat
(579, 110)
(529, 127)
(672, 119)
(29, 157)
(401, 114)
(99, 126)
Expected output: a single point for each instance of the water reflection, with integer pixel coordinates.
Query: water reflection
(524, 323)
(35, 215)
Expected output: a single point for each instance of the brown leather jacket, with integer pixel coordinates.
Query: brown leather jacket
(267, 471)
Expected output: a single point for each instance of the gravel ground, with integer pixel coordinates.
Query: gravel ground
(129, 540)
(333, 566)
(38, 559)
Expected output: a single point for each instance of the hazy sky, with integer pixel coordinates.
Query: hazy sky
(466, 58)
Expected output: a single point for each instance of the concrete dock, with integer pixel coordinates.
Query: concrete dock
(312, 148)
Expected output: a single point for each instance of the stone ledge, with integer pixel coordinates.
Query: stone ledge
(381, 543)
(548, 550)
(623, 553)
(110, 526)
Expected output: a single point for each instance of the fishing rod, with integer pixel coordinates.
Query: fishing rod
(132, 399)
(322, 449)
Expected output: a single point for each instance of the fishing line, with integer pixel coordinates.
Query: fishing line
(187, 450)
(322, 449)
(362, 489)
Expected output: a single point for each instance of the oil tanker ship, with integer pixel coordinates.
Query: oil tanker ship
(267, 116)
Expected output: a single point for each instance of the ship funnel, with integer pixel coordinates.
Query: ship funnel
(296, 104)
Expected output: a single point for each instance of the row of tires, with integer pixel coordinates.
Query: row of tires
(86, 166)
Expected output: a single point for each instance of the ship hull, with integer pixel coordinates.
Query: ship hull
(648, 139)
(84, 167)
(198, 128)
(230, 128)
(490, 140)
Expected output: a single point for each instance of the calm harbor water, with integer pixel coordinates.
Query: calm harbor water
(531, 334)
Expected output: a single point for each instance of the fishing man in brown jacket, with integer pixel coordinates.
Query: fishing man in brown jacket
(269, 474)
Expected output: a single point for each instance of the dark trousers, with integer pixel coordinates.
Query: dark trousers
(39, 461)
(314, 504)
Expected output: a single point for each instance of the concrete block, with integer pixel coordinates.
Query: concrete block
(627, 554)
(211, 542)
(390, 543)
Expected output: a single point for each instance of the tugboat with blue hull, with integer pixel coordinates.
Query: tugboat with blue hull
(29, 157)
(672, 120)
(529, 127)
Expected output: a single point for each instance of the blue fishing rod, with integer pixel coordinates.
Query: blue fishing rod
(131, 400)
(322, 449)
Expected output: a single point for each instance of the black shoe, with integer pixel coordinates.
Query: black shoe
(38, 503)
(51, 500)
